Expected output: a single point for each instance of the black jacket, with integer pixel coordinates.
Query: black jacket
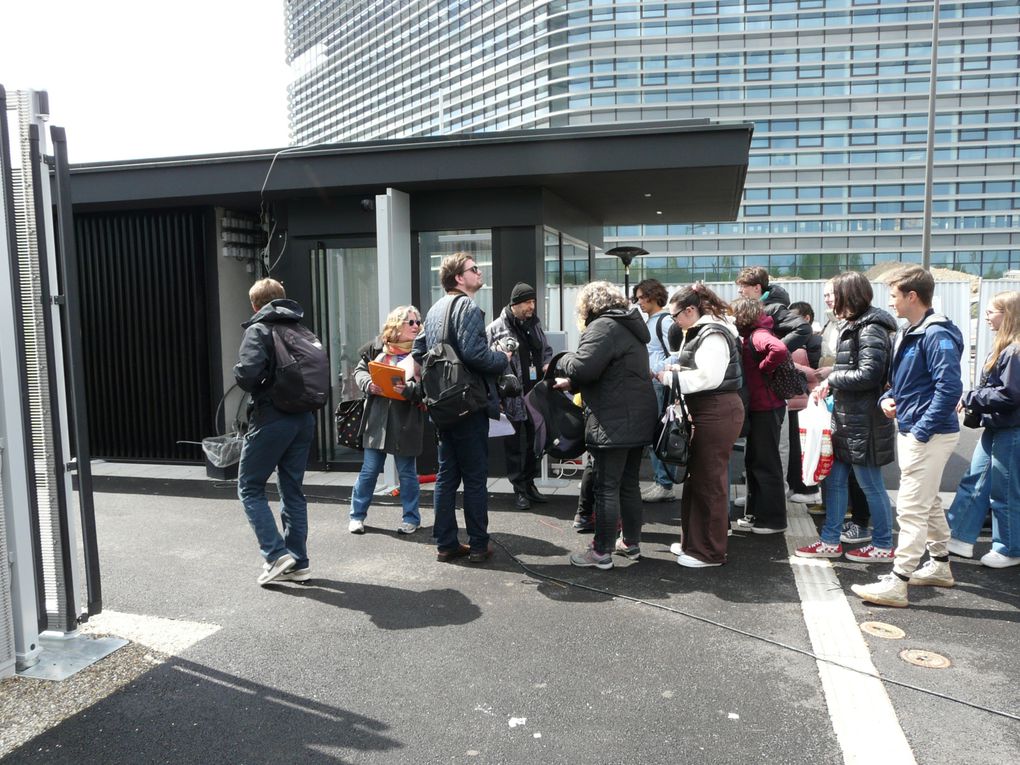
(256, 358)
(861, 433)
(786, 325)
(610, 368)
(997, 398)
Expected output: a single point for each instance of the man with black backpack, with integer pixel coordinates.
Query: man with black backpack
(285, 369)
(456, 324)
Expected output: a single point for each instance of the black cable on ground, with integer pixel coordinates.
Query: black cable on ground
(729, 628)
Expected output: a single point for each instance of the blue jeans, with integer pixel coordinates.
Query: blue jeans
(463, 455)
(282, 445)
(663, 472)
(364, 487)
(870, 479)
(992, 481)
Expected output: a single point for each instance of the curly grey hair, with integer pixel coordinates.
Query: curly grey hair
(596, 298)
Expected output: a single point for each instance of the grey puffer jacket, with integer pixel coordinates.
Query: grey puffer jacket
(610, 369)
(861, 433)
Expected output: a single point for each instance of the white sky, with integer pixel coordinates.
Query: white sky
(129, 79)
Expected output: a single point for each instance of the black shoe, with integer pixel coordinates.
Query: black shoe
(535, 495)
(584, 524)
(521, 501)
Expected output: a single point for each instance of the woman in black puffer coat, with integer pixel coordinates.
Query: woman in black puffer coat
(863, 439)
(610, 369)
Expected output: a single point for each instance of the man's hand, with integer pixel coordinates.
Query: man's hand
(562, 383)
(889, 408)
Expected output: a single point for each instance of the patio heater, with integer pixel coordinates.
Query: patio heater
(626, 254)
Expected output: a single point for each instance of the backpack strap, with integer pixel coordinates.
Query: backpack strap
(658, 333)
(444, 328)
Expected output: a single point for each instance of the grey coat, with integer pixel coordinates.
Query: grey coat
(392, 426)
(610, 368)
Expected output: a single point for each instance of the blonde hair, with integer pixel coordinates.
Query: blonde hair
(390, 331)
(596, 298)
(1009, 331)
(265, 291)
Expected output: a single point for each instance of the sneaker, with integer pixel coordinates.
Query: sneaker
(889, 590)
(584, 524)
(998, 560)
(740, 501)
(816, 509)
(744, 524)
(631, 552)
(869, 554)
(819, 550)
(854, 534)
(934, 573)
(658, 493)
(589, 559)
(406, 528)
(676, 548)
(271, 571)
(814, 498)
(689, 561)
(445, 556)
(356, 527)
(961, 549)
(756, 529)
(295, 575)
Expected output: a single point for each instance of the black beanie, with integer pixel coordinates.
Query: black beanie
(522, 292)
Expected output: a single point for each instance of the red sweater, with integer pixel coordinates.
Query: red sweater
(771, 350)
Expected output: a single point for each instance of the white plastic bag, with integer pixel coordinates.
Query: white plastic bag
(815, 442)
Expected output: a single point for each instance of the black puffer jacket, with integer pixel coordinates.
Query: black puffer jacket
(861, 434)
(786, 325)
(256, 362)
(610, 369)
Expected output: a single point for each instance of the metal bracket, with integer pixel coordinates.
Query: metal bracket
(58, 300)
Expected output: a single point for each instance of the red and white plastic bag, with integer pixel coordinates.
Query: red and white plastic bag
(815, 442)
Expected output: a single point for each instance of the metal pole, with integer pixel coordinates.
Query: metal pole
(930, 153)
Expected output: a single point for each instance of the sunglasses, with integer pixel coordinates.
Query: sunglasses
(476, 269)
(413, 322)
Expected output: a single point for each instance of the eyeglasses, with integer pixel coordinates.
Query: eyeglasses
(476, 269)
(413, 322)
(674, 315)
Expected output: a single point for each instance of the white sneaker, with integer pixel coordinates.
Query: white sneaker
(807, 499)
(689, 561)
(960, 549)
(934, 573)
(889, 590)
(676, 548)
(657, 493)
(271, 571)
(356, 527)
(998, 560)
(295, 575)
(740, 501)
(405, 528)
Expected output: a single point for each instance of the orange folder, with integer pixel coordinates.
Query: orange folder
(386, 376)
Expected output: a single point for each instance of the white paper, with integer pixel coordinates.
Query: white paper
(500, 427)
(407, 364)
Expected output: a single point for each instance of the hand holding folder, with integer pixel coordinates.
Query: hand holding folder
(386, 376)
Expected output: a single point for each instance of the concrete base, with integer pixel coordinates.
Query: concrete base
(62, 657)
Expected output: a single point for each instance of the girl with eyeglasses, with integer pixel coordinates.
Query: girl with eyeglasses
(391, 426)
(993, 480)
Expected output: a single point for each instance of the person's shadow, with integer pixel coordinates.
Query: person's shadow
(389, 608)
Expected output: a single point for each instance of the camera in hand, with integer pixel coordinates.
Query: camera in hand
(508, 344)
(971, 419)
(508, 386)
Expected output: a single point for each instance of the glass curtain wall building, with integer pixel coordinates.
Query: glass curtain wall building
(837, 89)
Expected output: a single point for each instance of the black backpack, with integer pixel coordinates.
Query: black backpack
(450, 390)
(559, 422)
(301, 379)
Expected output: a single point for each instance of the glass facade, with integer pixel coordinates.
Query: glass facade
(837, 90)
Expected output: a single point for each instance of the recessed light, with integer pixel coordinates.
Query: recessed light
(647, 196)
(658, 212)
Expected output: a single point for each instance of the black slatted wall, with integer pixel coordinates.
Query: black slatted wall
(145, 332)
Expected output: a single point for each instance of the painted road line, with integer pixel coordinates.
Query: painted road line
(862, 714)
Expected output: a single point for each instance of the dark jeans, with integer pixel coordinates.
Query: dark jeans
(766, 490)
(521, 463)
(463, 456)
(617, 496)
(281, 445)
(586, 496)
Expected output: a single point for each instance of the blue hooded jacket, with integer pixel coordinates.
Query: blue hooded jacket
(926, 377)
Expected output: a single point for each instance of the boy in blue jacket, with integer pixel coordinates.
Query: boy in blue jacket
(926, 385)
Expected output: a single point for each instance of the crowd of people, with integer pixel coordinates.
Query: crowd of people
(894, 394)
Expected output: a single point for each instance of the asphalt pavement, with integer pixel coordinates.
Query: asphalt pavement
(389, 656)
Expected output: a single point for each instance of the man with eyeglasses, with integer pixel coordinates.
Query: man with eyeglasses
(651, 298)
(519, 322)
(463, 448)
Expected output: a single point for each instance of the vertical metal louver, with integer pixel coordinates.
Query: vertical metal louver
(6, 603)
(145, 331)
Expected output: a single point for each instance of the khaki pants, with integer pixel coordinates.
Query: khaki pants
(919, 510)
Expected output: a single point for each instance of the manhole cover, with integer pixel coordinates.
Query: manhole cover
(921, 658)
(883, 630)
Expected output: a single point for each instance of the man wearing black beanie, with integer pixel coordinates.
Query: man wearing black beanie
(519, 321)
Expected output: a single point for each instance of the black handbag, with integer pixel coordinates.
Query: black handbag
(674, 443)
(971, 419)
(349, 417)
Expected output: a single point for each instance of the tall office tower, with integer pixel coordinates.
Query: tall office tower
(837, 90)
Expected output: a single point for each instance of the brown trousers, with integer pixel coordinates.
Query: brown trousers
(705, 506)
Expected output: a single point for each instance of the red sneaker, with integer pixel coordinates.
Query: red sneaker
(870, 553)
(820, 550)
